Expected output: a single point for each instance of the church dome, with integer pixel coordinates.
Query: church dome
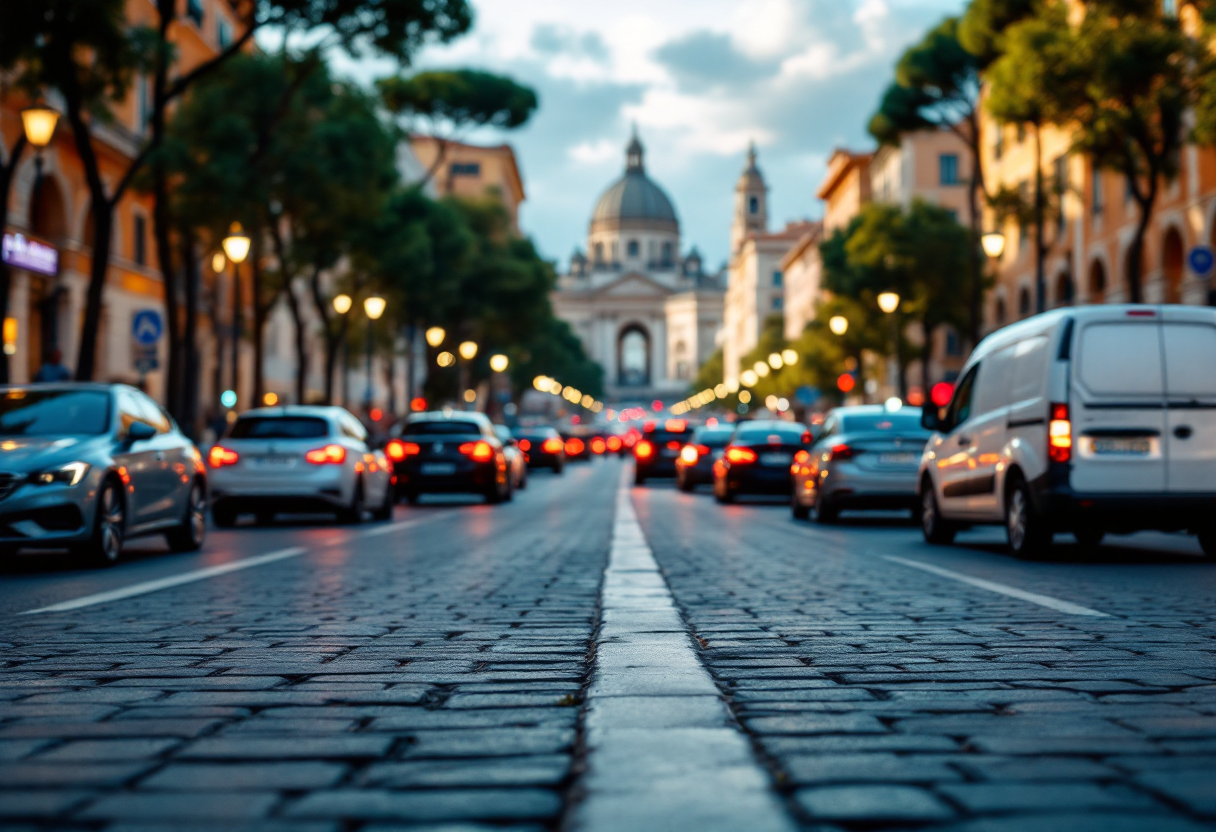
(635, 199)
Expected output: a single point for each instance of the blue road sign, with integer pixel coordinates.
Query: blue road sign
(1201, 260)
(807, 395)
(146, 327)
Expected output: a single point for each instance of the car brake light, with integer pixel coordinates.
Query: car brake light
(551, 446)
(643, 449)
(740, 455)
(1141, 313)
(840, 452)
(673, 445)
(689, 455)
(1059, 434)
(329, 455)
(220, 456)
(574, 446)
(480, 451)
(398, 450)
(614, 443)
(598, 446)
(801, 457)
(524, 445)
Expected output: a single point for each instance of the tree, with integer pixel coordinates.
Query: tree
(982, 26)
(453, 101)
(7, 171)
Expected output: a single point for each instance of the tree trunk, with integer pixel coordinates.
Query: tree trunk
(301, 341)
(261, 311)
(976, 260)
(190, 356)
(927, 329)
(331, 338)
(1040, 247)
(161, 219)
(1135, 251)
(6, 180)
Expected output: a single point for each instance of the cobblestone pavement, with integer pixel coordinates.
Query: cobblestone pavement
(470, 668)
(882, 695)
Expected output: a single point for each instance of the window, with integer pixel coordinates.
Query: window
(1096, 194)
(194, 11)
(778, 303)
(667, 253)
(947, 166)
(954, 345)
(223, 33)
(465, 169)
(1024, 302)
(143, 102)
(139, 250)
(960, 405)
(631, 248)
(777, 278)
(598, 252)
(753, 205)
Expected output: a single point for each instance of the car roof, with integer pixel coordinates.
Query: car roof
(441, 416)
(858, 409)
(280, 411)
(768, 423)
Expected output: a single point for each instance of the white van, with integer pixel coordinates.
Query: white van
(1090, 420)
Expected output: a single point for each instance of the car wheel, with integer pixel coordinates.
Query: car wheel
(109, 527)
(385, 512)
(936, 529)
(510, 493)
(223, 516)
(1089, 538)
(639, 478)
(557, 469)
(1025, 530)
(412, 497)
(353, 514)
(188, 537)
(799, 511)
(724, 495)
(523, 480)
(825, 512)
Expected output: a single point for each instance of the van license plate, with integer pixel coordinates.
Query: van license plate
(1133, 447)
(439, 468)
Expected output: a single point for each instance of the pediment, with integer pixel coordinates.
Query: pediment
(634, 285)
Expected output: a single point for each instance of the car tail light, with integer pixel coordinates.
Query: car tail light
(806, 438)
(740, 455)
(673, 445)
(840, 452)
(643, 449)
(614, 443)
(480, 451)
(551, 446)
(396, 450)
(329, 455)
(689, 455)
(524, 445)
(1059, 434)
(802, 457)
(574, 446)
(598, 446)
(675, 425)
(220, 456)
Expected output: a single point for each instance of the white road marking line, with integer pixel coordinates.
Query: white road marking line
(209, 572)
(992, 586)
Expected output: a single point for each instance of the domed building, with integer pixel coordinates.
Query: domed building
(647, 312)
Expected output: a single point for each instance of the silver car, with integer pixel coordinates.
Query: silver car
(517, 463)
(867, 457)
(87, 466)
(298, 460)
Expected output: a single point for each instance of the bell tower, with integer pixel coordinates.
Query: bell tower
(751, 202)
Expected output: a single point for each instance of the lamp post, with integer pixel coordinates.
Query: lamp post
(888, 302)
(236, 247)
(468, 351)
(38, 121)
(342, 303)
(373, 307)
(839, 324)
(993, 243)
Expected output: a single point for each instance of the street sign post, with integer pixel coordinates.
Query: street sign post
(1201, 260)
(146, 330)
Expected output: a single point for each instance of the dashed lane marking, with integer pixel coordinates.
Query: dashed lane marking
(992, 586)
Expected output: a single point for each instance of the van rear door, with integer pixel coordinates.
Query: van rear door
(1117, 403)
(1188, 335)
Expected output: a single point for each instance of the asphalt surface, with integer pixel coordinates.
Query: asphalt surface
(470, 667)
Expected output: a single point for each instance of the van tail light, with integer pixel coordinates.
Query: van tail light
(396, 450)
(689, 455)
(524, 445)
(598, 446)
(740, 455)
(552, 446)
(480, 451)
(1059, 434)
(329, 455)
(574, 446)
(220, 456)
(840, 452)
(643, 449)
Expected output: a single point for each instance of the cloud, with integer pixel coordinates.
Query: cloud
(548, 39)
(705, 60)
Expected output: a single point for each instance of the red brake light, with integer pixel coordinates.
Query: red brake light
(840, 452)
(614, 443)
(1059, 434)
(480, 451)
(598, 446)
(220, 456)
(524, 445)
(801, 457)
(703, 450)
(673, 445)
(329, 455)
(806, 438)
(552, 445)
(1141, 313)
(740, 455)
(398, 450)
(643, 449)
(574, 446)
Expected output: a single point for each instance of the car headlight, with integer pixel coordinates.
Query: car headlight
(69, 474)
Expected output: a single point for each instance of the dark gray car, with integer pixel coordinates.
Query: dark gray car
(86, 466)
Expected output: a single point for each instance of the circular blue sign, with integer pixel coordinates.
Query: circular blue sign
(1201, 260)
(146, 327)
(228, 398)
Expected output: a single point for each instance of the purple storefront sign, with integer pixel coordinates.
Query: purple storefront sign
(24, 253)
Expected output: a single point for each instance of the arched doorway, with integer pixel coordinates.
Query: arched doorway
(633, 356)
(1002, 315)
(48, 214)
(1024, 302)
(1097, 282)
(1063, 290)
(1172, 256)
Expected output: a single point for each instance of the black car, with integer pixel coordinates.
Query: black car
(578, 446)
(695, 465)
(656, 452)
(758, 457)
(449, 453)
(543, 447)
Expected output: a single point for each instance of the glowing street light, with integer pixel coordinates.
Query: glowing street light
(888, 302)
(374, 306)
(748, 378)
(776, 361)
(236, 244)
(435, 336)
(993, 243)
(445, 359)
(342, 304)
(761, 369)
(218, 262)
(839, 324)
(468, 350)
(499, 362)
(39, 122)
(789, 357)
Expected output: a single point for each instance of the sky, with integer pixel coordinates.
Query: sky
(700, 78)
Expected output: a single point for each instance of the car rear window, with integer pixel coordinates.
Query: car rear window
(533, 433)
(906, 421)
(54, 412)
(443, 427)
(280, 427)
(1121, 359)
(761, 433)
(713, 437)
(662, 437)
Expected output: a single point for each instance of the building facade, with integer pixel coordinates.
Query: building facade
(470, 171)
(645, 310)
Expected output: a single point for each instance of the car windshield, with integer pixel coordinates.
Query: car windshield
(785, 432)
(279, 427)
(905, 421)
(712, 437)
(435, 427)
(534, 432)
(54, 412)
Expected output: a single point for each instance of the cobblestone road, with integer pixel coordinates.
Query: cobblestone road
(470, 668)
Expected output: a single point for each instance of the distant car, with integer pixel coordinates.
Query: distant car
(578, 445)
(543, 447)
(867, 457)
(298, 459)
(450, 452)
(516, 462)
(695, 464)
(656, 451)
(88, 466)
(758, 457)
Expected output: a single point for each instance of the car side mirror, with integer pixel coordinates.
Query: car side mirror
(930, 420)
(140, 432)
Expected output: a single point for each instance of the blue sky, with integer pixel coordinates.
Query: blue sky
(700, 78)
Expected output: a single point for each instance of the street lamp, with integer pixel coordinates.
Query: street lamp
(993, 243)
(499, 362)
(342, 303)
(435, 336)
(468, 350)
(373, 307)
(39, 122)
(236, 244)
(236, 247)
(776, 361)
(839, 324)
(888, 302)
(790, 357)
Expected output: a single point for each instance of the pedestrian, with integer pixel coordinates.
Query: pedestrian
(53, 370)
